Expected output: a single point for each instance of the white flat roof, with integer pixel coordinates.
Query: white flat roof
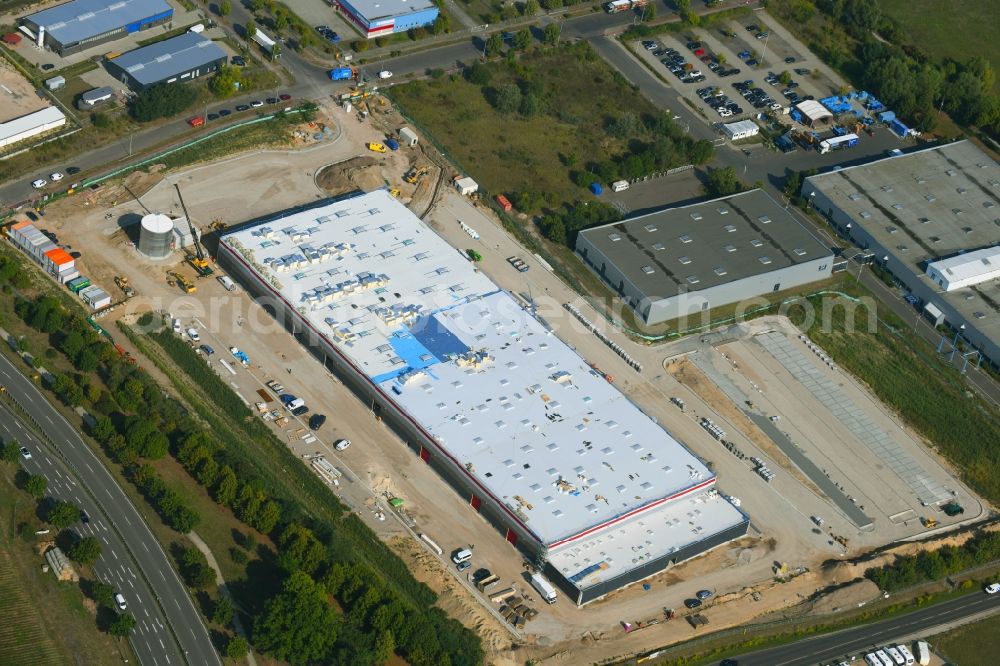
(510, 402)
(25, 123)
(741, 126)
(969, 268)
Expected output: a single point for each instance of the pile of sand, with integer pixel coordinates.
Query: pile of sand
(356, 173)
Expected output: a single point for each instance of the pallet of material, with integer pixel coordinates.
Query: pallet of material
(487, 582)
(518, 622)
(509, 615)
(514, 602)
(264, 395)
(501, 595)
(530, 614)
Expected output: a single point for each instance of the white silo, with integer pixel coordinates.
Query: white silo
(156, 235)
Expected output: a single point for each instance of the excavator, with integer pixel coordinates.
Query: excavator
(124, 285)
(186, 285)
(415, 174)
(199, 262)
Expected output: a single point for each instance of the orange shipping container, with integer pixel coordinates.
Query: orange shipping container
(504, 203)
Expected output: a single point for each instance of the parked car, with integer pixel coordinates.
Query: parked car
(239, 61)
(207, 349)
(256, 104)
(704, 594)
(242, 107)
(790, 59)
(342, 444)
(72, 170)
(692, 603)
(272, 100)
(992, 588)
(316, 421)
(224, 112)
(462, 566)
(48, 66)
(385, 74)
(56, 177)
(84, 517)
(193, 334)
(120, 601)
(212, 116)
(284, 97)
(25, 453)
(39, 184)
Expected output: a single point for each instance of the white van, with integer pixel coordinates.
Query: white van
(227, 282)
(120, 601)
(886, 661)
(463, 555)
(619, 185)
(872, 660)
(197, 28)
(906, 654)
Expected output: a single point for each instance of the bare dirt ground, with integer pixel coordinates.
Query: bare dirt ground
(17, 94)
(741, 574)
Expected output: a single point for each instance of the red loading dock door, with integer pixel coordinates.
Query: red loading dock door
(425, 455)
(511, 536)
(475, 502)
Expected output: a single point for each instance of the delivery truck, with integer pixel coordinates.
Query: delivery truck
(544, 588)
(342, 74)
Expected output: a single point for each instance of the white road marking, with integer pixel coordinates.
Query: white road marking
(105, 540)
(115, 554)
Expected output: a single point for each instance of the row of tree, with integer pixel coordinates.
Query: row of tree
(875, 49)
(136, 422)
(931, 565)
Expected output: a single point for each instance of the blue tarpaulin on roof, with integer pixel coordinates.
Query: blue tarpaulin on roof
(887, 116)
(836, 104)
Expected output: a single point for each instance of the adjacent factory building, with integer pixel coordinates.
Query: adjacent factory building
(82, 24)
(376, 18)
(52, 258)
(931, 219)
(549, 451)
(178, 59)
(682, 261)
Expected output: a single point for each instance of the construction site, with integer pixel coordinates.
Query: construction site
(822, 469)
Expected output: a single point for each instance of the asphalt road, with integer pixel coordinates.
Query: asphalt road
(830, 648)
(156, 596)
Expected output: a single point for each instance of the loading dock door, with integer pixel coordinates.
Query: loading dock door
(475, 502)
(511, 536)
(425, 455)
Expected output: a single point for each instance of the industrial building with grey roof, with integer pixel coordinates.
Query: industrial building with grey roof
(932, 220)
(685, 260)
(82, 24)
(178, 59)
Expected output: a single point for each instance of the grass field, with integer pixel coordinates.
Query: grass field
(958, 29)
(975, 644)
(43, 621)
(513, 153)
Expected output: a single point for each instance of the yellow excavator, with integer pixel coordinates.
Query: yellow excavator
(124, 285)
(186, 285)
(415, 174)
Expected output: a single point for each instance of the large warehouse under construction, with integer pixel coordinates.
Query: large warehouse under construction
(557, 458)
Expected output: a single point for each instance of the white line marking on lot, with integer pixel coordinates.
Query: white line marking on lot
(48, 419)
(105, 540)
(162, 576)
(115, 554)
(162, 645)
(146, 611)
(145, 546)
(87, 464)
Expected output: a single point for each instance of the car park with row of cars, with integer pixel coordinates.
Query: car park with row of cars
(724, 106)
(198, 121)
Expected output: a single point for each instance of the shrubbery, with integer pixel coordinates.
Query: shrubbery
(931, 565)
(162, 101)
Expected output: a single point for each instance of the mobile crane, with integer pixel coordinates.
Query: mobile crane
(199, 262)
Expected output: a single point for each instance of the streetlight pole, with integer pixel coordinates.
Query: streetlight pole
(763, 52)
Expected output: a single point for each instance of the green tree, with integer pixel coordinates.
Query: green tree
(162, 101)
(195, 569)
(649, 12)
(122, 625)
(300, 550)
(10, 450)
(479, 74)
(298, 625)
(785, 77)
(36, 485)
(62, 514)
(507, 98)
(494, 45)
(223, 610)
(280, 22)
(226, 486)
(723, 182)
(86, 551)
(102, 594)
(530, 106)
(225, 82)
(552, 32)
(522, 39)
(258, 6)
(251, 29)
(237, 648)
(530, 8)
(225, 8)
